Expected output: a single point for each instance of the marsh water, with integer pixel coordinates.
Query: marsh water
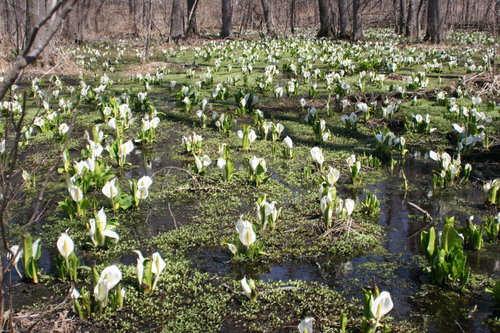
(396, 268)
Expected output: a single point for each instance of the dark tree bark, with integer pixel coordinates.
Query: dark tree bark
(435, 26)
(227, 18)
(132, 13)
(411, 25)
(28, 20)
(192, 28)
(292, 16)
(326, 19)
(343, 18)
(357, 27)
(395, 15)
(177, 20)
(6, 15)
(497, 17)
(268, 17)
(149, 19)
(402, 16)
(419, 19)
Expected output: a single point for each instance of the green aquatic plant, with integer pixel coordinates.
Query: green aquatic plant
(201, 164)
(244, 244)
(247, 136)
(355, 168)
(445, 255)
(473, 234)
(100, 230)
(224, 123)
(321, 131)
(492, 227)
(495, 291)
(225, 163)
(306, 325)
(249, 288)
(491, 191)
(371, 204)
(107, 292)
(376, 304)
(147, 268)
(192, 143)
(317, 156)
(67, 262)
(287, 147)
(257, 170)
(267, 213)
(32, 251)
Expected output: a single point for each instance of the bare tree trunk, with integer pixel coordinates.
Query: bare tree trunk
(192, 28)
(149, 8)
(268, 17)
(227, 18)
(402, 16)
(28, 20)
(132, 13)
(292, 16)
(357, 27)
(419, 19)
(497, 20)
(435, 26)
(343, 17)
(6, 15)
(177, 20)
(326, 19)
(411, 29)
(395, 15)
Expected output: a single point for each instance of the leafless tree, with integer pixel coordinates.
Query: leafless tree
(227, 18)
(343, 19)
(38, 40)
(357, 27)
(268, 17)
(435, 26)
(177, 20)
(326, 19)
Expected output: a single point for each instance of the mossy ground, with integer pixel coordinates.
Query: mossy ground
(195, 215)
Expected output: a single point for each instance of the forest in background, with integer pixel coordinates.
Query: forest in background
(92, 20)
